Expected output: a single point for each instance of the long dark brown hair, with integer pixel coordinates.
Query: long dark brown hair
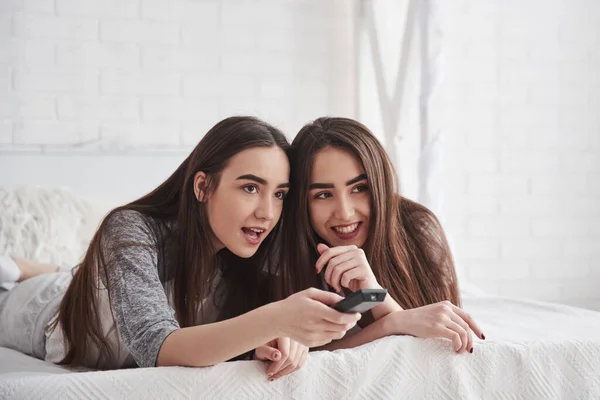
(406, 246)
(187, 243)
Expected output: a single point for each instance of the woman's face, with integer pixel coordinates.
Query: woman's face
(339, 199)
(248, 201)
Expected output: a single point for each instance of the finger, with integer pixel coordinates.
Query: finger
(329, 254)
(329, 314)
(336, 273)
(326, 326)
(285, 371)
(469, 320)
(283, 344)
(334, 262)
(326, 332)
(452, 336)
(294, 351)
(264, 353)
(322, 296)
(303, 357)
(274, 368)
(340, 258)
(460, 344)
(324, 337)
(351, 275)
(321, 247)
(332, 252)
(457, 319)
(299, 359)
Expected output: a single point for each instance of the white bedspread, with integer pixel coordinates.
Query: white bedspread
(533, 351)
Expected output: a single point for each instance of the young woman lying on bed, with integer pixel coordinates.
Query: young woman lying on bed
(353, 231)
(185, 275)
(344, 188)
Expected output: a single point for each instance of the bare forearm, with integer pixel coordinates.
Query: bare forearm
(388, 306)
(209, 344)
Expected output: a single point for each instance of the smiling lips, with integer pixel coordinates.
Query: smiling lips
(347, 231)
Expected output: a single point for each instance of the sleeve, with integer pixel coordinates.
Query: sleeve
(140, 306)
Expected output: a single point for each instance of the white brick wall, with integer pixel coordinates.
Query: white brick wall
(151, 74)
(522, 130)
(521, 94)
(5, 132)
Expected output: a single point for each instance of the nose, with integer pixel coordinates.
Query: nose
(266, 209)
(344, 209)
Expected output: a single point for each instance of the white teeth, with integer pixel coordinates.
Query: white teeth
(256, 230)
(346, 229)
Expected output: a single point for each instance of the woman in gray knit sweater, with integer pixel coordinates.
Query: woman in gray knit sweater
(187, 275)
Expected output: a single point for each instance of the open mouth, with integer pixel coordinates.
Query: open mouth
(347, 231)
(253, 235)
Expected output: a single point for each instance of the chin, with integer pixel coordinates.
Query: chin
(244, 253)
(334, 242)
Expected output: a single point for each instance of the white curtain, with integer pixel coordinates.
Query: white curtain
(398, 80)
(431, 155)
(399, 55)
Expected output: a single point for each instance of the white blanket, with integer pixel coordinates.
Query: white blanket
(533, 350)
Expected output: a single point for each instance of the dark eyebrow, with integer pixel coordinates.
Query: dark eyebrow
(320, 186)
(330, 185)
(260, 180)
(357, 179)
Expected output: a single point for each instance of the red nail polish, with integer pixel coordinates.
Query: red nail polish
(316, 270)
(483, 336)
(471, 351)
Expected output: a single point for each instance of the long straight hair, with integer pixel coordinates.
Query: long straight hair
(406, 246)
(187, 243)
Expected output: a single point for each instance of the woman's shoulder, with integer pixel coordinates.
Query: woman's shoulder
(131, 225)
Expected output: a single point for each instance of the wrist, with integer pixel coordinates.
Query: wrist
(387, 307)
(388, 325)
(271, 319)
(371, 284)
(396, 323)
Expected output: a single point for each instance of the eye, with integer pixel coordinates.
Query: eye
(323, 195)
(281, 195)
(252, 189)
(360, 188)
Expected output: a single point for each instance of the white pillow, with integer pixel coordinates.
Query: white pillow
(45, 224)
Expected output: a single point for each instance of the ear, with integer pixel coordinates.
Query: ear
(200, 184)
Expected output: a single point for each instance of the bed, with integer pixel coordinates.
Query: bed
(534, 350)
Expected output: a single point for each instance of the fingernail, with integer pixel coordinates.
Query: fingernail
(271, 379)
(316, 270)
(471, 351)
(483, 336)
(276, 355)
(269, 375)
